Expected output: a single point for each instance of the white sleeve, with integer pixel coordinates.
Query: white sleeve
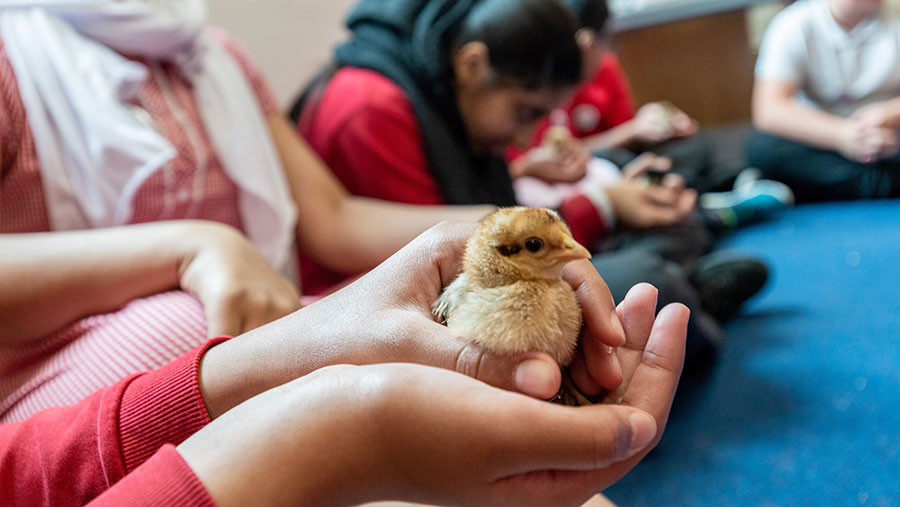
(783, 55)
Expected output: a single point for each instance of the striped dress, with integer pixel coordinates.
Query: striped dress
(148, 332)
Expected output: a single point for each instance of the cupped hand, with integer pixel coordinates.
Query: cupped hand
(641, 205)
(238, 288)
(385, 316)
(652, 358)
(877, 115)
(656, 122)
(567, 164)
(683, 124)
(865, 138)
(348, 435)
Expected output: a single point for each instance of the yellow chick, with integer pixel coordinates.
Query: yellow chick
(555, 139)
(510, 297)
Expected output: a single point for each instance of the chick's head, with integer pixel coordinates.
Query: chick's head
(520, 243)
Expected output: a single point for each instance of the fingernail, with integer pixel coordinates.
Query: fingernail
(617, 326)
(643, 429)
(536, 378)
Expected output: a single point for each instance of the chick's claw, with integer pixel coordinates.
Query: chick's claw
(570, 394)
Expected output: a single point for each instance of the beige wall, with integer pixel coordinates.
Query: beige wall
(291, 39)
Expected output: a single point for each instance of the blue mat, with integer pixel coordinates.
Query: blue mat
(803, 404)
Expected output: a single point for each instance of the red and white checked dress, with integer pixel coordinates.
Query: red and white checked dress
(148, 332)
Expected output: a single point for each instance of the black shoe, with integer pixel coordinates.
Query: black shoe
(723, 282)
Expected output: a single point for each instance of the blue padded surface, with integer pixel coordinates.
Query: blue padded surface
(803, 404)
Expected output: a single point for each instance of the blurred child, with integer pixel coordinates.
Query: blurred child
(827, 100)
(600, 118)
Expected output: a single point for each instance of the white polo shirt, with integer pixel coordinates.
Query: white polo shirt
(837, 71)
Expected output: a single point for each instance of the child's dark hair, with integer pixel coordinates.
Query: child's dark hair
(531, 43)
(592, 14)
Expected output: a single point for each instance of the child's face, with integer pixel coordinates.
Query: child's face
(496, 112)
(855, 10)
(497, 116)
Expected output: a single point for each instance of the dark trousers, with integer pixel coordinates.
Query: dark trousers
(815, 174)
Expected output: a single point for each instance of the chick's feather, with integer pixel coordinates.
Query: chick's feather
(510, 296)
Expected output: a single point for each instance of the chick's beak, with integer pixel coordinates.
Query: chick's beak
(571, 250)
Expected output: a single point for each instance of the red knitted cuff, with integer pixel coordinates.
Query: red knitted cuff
(162, 407)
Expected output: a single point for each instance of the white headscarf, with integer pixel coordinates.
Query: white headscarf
(94, 151)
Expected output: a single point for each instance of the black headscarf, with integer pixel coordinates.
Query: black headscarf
(593, 14)
(407, 41)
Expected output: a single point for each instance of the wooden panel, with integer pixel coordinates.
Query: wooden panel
(702, 65)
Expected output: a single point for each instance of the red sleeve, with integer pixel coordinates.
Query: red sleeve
(586, 224)
(379, 154)
(70, 455)
(165, 479)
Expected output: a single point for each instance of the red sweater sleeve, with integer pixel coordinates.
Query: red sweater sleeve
(70, 455)
(165, 479)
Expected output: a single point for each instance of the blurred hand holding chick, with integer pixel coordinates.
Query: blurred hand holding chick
(561, 158)
(656, 122)
(639, 204)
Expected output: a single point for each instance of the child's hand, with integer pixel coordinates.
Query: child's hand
(863, 141)
(351, 434)
(385, 316)
(238, 288)
(877, 115)
(566, 163)
(640, 205)
(683, 124)
(656, 122)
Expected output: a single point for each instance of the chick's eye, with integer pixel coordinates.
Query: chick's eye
(533, 245)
